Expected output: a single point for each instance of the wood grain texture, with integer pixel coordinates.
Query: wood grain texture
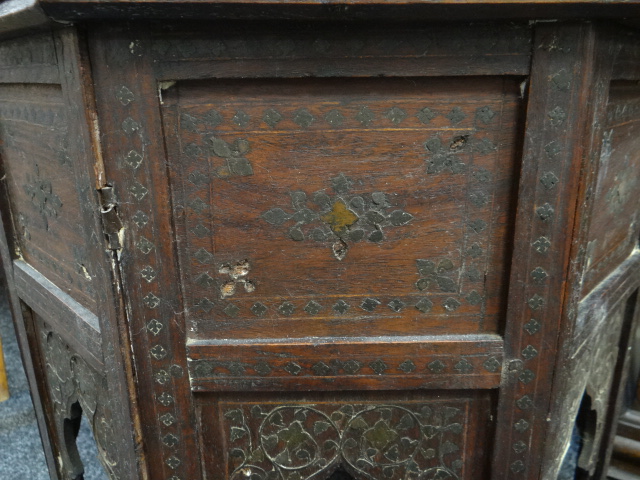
(77, 326)
(451, 362)
(557, 132)
(429, 257)
(614, 228)
(339, 50)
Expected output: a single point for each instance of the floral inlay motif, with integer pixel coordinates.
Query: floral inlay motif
(296, 442)
(340, 217)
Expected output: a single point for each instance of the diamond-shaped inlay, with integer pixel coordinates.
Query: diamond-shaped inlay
(341, 307)
(479, 199)
(203, 256)
(436, 366)
(130, 126)
(539, 275)
(241, 118)
(351, 366)
(162, 377)
(154, 326)
(532, 326)
(529, 352)
(198, 178)
(378, 366)
(165, 399)
(158, 352)
(552, 149)
(140, 219)
(542, 245)
(124, 95)
(213, 118)
(424, 305)
(425, 115)
(167, 419)
(485, 114)
(407, 366)
(276, 216)
(198, 205)
(205, 280)
(231, 310)
(192, 150)
(138, 190)
(148, 273)
(557, 116)
(518, 466)
(365, 116)
(201, 231)
(303, 118)
(293, 368)
(463, 366)
(189, 122)
(475, 251)
(536, 302)
(262, 368)
(203, 304)
(396, 115)
(526, 376)
(287, 308)
(396, 305)
(524, 403)
(474, 298)
(478, 225)
(151, 301)
(369, 304)
(321, 368)
(521, 425)
(133, 159)
(334, 118)
(259, 309)
(170, 440)
(145, 246)
(519, 446)
(451, 304)
(549, 180)
(173, 462)
(545, 212)
(312, 307)
(456, 115)
(271, 117)
(492, 365)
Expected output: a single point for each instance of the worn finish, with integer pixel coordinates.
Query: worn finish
(58, 265)
(395, 250)
(369, 437)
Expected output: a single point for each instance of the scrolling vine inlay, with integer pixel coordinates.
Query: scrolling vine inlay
(296, 442)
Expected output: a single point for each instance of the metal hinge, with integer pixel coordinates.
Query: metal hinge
(110, 219)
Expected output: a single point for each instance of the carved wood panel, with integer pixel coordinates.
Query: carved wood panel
(74, 389)
(42, 182)
(615, 224)
(373, 437)
(342, 204)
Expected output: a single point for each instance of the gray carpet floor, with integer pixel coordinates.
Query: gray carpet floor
(21, 453)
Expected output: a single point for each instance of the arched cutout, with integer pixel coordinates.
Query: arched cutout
(340, 474)
(71, 428)
(586, 423)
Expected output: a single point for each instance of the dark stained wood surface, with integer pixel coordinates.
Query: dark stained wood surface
(615, 224)
(321, 245)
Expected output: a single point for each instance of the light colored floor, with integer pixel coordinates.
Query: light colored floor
(21, 454)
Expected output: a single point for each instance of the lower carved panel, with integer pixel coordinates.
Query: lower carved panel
(76, 389)
(434, 437)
